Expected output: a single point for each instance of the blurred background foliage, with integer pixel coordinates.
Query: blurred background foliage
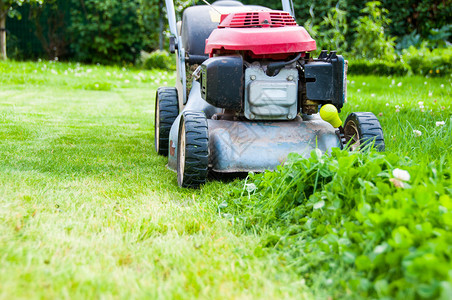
(394, 33)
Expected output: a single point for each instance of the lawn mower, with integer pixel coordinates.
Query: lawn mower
(248, 93)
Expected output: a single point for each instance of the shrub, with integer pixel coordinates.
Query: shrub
(370, 39)
(159, 60)
(106, 31)
(377, 67)
(331, 32)
(423, 61)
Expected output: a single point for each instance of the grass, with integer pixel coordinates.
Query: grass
(406, 104)
(88, 210)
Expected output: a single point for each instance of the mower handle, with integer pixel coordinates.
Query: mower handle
(287, 6)
(172, 18)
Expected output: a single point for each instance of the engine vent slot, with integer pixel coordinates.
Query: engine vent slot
(282, 19)
(244, 20)
(257, 19)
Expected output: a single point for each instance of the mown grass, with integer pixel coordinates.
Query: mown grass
(89, 210)
(404, 104)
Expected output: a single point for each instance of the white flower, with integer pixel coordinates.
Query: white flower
(401, 174)
(425, 82)
(127, 81)
(430, 94)
(387, 104)
(417, 132)
(393, 81)
(372, 95)
(440, 123)
(399, 84)
(319, 204)
(442, 85)
(318, 152)
(364, 83)
(250, 187)
(96, 85)
(397, 110)
(420, 103)
(358, 90)
(353, 82)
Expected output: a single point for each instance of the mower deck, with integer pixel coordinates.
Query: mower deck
(246, 146)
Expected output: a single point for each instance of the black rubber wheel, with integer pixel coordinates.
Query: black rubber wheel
(192, 150)
(166, 111)
(363, 128)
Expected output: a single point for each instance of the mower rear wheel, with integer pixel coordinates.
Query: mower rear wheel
(361, 129)
(166, 111)
(192, 150)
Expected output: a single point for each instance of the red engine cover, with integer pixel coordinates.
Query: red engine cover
(261, 32)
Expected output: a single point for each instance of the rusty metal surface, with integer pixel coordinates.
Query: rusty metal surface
(258, 146)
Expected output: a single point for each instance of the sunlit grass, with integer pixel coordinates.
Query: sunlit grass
(404, 105)
(88, 210)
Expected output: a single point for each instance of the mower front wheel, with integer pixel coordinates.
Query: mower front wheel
(166, 112)
(361, 129)
(192, 150)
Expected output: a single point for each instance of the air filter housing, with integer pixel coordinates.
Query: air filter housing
(263, 33)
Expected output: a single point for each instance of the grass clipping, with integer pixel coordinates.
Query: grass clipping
(363, 224)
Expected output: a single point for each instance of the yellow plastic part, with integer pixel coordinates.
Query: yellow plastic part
(329, 114)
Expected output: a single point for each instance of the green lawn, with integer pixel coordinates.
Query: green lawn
(88, 210)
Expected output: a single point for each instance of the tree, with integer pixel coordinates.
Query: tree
(6, 8)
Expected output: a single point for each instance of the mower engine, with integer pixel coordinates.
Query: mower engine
(260, 68)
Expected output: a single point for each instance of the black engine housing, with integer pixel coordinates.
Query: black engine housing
(325, 79)
(222, 82)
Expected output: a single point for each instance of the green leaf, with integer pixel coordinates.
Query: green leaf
(363, 263)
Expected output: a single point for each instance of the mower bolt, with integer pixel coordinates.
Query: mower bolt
(289, 117)
(290, 78)
(252, 116)
(253, 77)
